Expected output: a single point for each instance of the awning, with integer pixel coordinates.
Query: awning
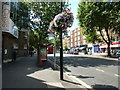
(113, 45)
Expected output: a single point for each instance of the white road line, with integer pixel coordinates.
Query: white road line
(73, 78)
(117, 75)
(55, 84)
(100, 70)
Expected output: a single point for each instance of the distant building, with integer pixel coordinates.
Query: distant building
(66, 42)
(115, 42)
(77, 38)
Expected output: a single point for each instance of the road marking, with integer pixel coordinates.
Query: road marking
(73, 78)
(100, 70)
(117, 75)
(55, 84)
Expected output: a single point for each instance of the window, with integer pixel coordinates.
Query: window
(78, 38)
(79, 43)
(78, 33)
(75, 43)
(75, 34)
(25, 35)
(75, 39)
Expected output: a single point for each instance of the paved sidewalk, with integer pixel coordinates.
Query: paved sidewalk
(25, 73)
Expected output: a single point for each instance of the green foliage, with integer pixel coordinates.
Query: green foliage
(66, 48)
(99, 16)
(57, 42)
(42, 14)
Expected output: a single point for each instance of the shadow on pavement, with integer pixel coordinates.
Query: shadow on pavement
(86, 61)
(67, 70)
(71, 82)
(89, 62)
(84, 77)
(15, 74)
(104, 87)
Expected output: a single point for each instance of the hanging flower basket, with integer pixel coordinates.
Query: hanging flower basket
(52, 27)
(63, 20)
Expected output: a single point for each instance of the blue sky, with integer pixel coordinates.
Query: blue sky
(74, 7)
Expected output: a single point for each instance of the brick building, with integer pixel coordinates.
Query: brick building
(115, 41)
(66, 42)
(11, 43)
(77, 38)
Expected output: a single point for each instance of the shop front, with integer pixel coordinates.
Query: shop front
(114, 47)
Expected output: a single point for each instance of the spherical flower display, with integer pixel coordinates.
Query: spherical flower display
(63, 20)
(52, 26)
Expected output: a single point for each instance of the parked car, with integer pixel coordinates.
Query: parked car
(65, 52)
(118, 54)
(71, 51)
(75, 51)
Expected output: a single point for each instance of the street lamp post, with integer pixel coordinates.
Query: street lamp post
(61, 56)
(55, 50)
(61, 51)
(60, 23)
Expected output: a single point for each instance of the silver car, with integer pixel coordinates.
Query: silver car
(118, 54)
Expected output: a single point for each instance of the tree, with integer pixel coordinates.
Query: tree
(42, 13)
(57, 42)
(66, 48)
(102, 17)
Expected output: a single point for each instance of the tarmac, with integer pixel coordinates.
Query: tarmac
(100, 55)
(24, 73)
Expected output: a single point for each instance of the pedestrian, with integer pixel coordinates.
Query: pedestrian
(31, 53)
(14, 54)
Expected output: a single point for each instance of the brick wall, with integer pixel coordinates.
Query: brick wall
(77, 38)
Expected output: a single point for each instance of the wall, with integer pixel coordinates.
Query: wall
(0, 31)
(0, 46)
(77, 38)
(10, 43)
(22, 41)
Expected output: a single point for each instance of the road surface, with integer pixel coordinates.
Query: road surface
(94, 71)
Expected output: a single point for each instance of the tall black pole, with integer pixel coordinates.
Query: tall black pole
(61, 51)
